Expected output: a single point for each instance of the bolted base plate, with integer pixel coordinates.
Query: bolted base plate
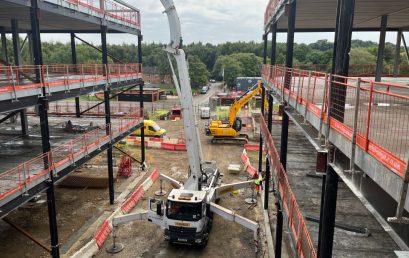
(114, 249)
(250, 200)
(160, 193)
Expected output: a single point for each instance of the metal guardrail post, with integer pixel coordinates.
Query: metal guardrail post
(402, 200)
(308, 96)
(298, 89)
(326, 83)
(355, 127)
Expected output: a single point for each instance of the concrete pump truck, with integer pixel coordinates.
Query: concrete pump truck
(187, 214)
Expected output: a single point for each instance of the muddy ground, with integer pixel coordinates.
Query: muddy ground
(77, 209)
(227, 239)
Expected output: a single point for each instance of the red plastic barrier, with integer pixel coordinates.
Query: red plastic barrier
(155, 175)
(167, 146)
(132, 200)
(102, 233)
(251, 147)
(244, 158)
(252, 171)
(180, 147)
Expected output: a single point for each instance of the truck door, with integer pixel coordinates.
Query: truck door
(156, 210)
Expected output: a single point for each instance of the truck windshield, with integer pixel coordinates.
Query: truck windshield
(184, 211)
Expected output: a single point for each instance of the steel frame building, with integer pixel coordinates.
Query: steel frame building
(35, 84)
(363, 149)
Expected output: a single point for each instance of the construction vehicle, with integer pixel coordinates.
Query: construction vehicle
(152, 129)
(229, 131)
(187, 214)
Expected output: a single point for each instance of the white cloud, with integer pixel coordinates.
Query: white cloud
(213, 21)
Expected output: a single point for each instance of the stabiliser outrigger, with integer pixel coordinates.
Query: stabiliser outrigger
(187, 214)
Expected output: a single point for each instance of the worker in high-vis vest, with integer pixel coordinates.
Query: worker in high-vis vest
(258, 183)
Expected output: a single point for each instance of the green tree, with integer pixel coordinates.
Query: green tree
(361, 56)
(198, 73)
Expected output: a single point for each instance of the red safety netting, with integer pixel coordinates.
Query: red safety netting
(18, 78)
(111, 8)
(298, 228)
(383, 109)
(64, 155)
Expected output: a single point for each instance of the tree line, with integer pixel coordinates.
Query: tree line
(223, 61)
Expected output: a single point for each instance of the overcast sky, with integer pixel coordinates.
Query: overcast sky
(214, 21)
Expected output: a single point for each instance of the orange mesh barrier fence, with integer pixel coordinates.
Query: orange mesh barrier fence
(296, 222)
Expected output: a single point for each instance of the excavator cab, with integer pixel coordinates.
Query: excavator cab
(237, 124)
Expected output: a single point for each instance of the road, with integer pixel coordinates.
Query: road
(204, 98)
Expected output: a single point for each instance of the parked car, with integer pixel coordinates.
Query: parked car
(204, 89)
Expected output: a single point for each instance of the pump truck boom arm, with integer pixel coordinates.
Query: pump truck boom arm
(183, 88)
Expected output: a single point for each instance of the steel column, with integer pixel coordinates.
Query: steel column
(345, 14)
(30, 47)
(24, 122)
(260, 152)
(16, 42)
(329, 213)
(268, 173)
(140, 38)
(74, 62)
(107, 115)
(381, 48)
(279, 227)
(324, 178)
(265, 36)
(5, 56)
(397, 54)
(45, 134)
(287, 82)
(273, 44)
(405, 47)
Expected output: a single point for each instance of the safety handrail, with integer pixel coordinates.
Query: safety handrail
(18, 179)
(382, 124)
(109, 8)
(61, 75)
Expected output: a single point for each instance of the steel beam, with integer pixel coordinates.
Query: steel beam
(396, 62)
(268, 174)
(329, 213)
(140, 38)
(273, 44)
(381, 49)
(287, 82)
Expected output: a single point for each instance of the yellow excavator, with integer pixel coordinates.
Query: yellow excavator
(229, 131)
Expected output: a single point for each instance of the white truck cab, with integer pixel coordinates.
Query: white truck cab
(185, 216)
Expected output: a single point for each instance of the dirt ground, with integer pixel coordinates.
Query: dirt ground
(77, 209)
(227, 239)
